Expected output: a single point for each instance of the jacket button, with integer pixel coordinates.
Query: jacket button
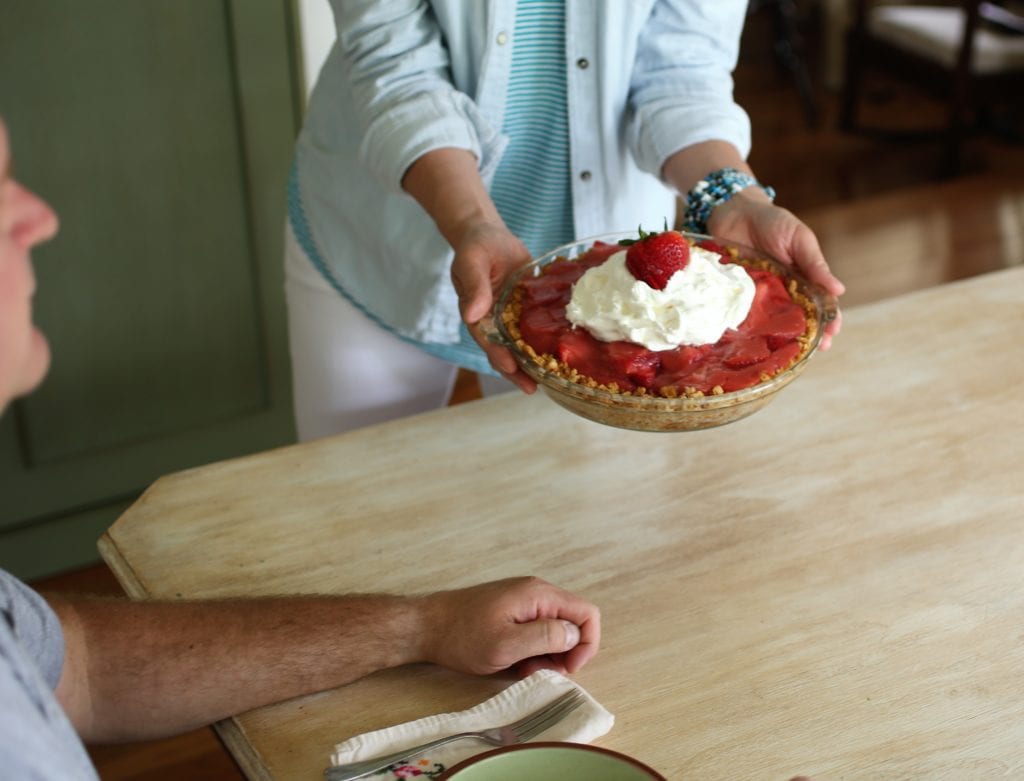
(585, 176)
(502, 39)
(583, 63)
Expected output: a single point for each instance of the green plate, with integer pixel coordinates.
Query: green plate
(550, 762)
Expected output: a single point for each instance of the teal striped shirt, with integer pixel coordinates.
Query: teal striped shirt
(531, 187)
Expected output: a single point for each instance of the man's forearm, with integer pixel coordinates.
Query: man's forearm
(137, 670)
(140, 670)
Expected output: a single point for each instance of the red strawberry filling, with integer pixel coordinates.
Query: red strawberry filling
(765, 343)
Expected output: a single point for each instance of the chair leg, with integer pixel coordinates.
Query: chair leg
(852, 78)
(962, 119)
(954, 138)
(789, 50)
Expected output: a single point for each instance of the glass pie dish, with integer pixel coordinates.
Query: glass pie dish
(652, 412)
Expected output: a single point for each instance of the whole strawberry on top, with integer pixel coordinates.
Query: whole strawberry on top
(655, 257)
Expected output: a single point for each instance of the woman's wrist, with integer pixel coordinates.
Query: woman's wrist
(716, 191)
(737, 210)
(447, 184)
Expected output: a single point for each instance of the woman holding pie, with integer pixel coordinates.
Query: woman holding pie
(448, 142)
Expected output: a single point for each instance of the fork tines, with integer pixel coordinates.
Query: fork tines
(535, 723)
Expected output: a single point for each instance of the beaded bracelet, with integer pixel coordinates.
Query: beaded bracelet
(713, 190)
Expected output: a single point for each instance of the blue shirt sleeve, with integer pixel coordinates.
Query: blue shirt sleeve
(37, 742)
(398, 69)
(34, 626)
(681, 90)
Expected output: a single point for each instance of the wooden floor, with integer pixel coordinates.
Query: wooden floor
(887, 222)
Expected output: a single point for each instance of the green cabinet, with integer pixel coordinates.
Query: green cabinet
(161, 132)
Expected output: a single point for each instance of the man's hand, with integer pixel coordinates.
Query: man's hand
(205, 660)
(485, 254)
(522, 622)
(750, 218)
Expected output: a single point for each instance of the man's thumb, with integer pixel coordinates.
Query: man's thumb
(548, 636)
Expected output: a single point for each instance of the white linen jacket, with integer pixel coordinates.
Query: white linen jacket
(645, 79)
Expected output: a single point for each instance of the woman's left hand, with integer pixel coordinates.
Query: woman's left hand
(750, 218)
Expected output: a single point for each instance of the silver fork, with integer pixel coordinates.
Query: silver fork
(526, 728)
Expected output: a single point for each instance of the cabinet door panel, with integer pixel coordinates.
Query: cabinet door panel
(161, 132)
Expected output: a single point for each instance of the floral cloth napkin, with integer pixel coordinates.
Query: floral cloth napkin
(587, 722)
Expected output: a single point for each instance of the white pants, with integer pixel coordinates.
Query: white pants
(347, 371)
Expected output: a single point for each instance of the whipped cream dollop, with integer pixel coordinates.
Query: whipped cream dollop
(697, 306)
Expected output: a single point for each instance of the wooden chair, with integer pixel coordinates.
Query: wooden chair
(788, 47)
(967, 51)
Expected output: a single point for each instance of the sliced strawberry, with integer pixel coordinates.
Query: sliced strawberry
(781, 358)
(734, 379)
(598, 254)
(785, 326)
(578, 349)
(773, 313)
(540, 327)
(634, 361)
(769, 290)
(730, 379)
(547, 289)
(745, 350)
(683, 379)
(713, 246)
(563, 267)
(588, 356)
(682, 357)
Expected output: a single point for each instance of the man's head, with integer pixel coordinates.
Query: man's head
(25, 220)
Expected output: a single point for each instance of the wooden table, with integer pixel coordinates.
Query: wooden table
(832, 586)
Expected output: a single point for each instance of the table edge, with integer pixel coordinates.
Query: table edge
(230, 730)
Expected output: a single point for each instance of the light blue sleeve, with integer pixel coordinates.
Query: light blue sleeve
(398, 67)
(37, 741)
(681, 91)
(34, 625)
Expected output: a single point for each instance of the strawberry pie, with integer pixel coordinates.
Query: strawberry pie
(665, 315)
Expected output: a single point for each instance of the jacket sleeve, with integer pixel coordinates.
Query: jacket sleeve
(681, 89)
(398, 68)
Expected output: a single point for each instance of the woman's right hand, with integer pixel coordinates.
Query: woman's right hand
(486, 252)
(447, 184)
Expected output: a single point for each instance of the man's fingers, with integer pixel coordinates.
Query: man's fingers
(579, 656)
(544, 636)
(565, 663)
(528, 667)
(571, 643)
(582, 614)
(572, 635)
